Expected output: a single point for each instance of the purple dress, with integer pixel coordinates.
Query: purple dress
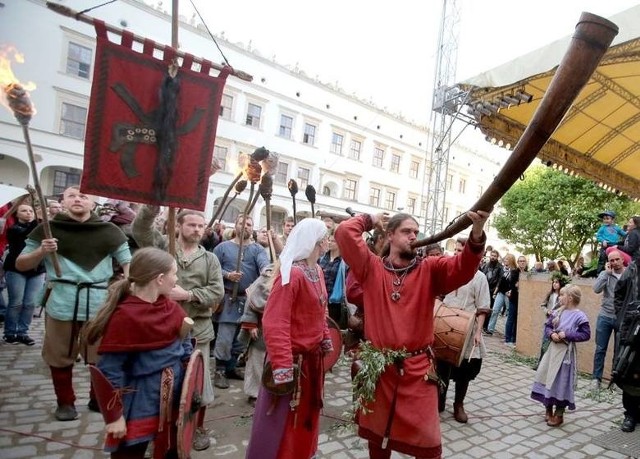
(556, 377)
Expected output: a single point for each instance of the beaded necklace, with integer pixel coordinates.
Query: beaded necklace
(399, 275)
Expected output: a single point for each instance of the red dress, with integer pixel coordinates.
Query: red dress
(294, 323)
(403, 323)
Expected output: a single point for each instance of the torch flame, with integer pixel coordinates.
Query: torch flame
(14, 95)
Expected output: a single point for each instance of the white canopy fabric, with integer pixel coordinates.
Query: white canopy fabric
(599, 138)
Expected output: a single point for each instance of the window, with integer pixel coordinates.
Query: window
(395, 163)
(282, 173)
(462, 186)
(374, 197)
(226, 105)
(220, 153)
(326, 190)
(423, 208)
(480, 190)
(336, 143)
(309, 136)
(411, 206)
(350, 187)
(286, 125)
(414, 167)
(64, 179)
(303, 177)
(254, 112)
(354, 150)
(449, 182)
(378, 156)
(79, 60)
(390, 202)
(72, 120)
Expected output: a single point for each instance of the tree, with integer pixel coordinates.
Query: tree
(551, 215)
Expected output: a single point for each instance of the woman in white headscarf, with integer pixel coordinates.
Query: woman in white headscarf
(296, 336)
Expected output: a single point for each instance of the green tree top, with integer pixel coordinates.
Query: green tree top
(551, 215)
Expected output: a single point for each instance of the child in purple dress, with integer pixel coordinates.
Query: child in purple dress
(556, 377)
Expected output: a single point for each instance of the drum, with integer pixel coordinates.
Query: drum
(452, 333)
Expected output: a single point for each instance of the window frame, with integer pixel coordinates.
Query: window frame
(414, 172)
(350, 193)
(353, 152)
(223, 115)
(303, 181)
(396, 159)
(336, 148)
(374, 196)
(390, 204)
(307, 138)
(222, 161)
(286, 132)
(378, 156)
(249, 122)
(277, 178)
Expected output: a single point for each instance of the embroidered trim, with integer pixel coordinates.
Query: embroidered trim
(326, 345)
(283, 375)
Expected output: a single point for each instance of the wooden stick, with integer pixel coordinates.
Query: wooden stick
(224, 198)
(43, 204)
(171, 215)
(236, 285)
(71, 13)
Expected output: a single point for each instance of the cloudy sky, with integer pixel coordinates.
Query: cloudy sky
(387, 50)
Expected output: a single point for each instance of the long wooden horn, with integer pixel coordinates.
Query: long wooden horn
(591, 39)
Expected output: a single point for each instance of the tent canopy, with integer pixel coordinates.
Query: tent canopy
(599, 138)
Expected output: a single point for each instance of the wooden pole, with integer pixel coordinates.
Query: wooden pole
(43, 204)
(171, 215)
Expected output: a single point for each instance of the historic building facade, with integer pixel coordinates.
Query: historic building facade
(354, 153)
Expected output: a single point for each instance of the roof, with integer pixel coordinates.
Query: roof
(599, 138)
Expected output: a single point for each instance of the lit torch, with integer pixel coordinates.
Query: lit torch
(18, 101)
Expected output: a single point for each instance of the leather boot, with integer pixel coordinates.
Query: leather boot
(459, 414)
(548, 414)
(557, 419)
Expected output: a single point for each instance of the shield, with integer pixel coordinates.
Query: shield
(330, 358)
(190, 403)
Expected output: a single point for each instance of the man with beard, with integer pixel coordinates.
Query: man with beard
(493, 270)
(253, 261)
(198, 289)
(399, 294)
(85, 247)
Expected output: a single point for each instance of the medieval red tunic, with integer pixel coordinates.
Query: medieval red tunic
(294, 324)
(405, 323)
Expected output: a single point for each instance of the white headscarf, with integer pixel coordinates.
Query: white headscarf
(300, 243)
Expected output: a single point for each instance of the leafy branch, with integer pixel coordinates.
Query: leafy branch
(374, 362)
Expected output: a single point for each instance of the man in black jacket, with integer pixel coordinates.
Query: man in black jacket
(493, 270)
(626, 371)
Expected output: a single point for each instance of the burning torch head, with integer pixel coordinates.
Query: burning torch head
(266, 186)
(16, 94)
(310, 193)
(259, 154)
(240, 186)
(293, 187)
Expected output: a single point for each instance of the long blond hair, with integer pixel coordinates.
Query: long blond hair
(146, 265)
(574, 293)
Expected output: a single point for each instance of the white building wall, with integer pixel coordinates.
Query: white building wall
(277, 89)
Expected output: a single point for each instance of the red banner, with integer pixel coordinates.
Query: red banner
(149, 137)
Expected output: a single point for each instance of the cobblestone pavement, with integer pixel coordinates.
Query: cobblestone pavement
(503, 421)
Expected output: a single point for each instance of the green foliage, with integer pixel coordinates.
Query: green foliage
(374, 362)
(551, 215)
